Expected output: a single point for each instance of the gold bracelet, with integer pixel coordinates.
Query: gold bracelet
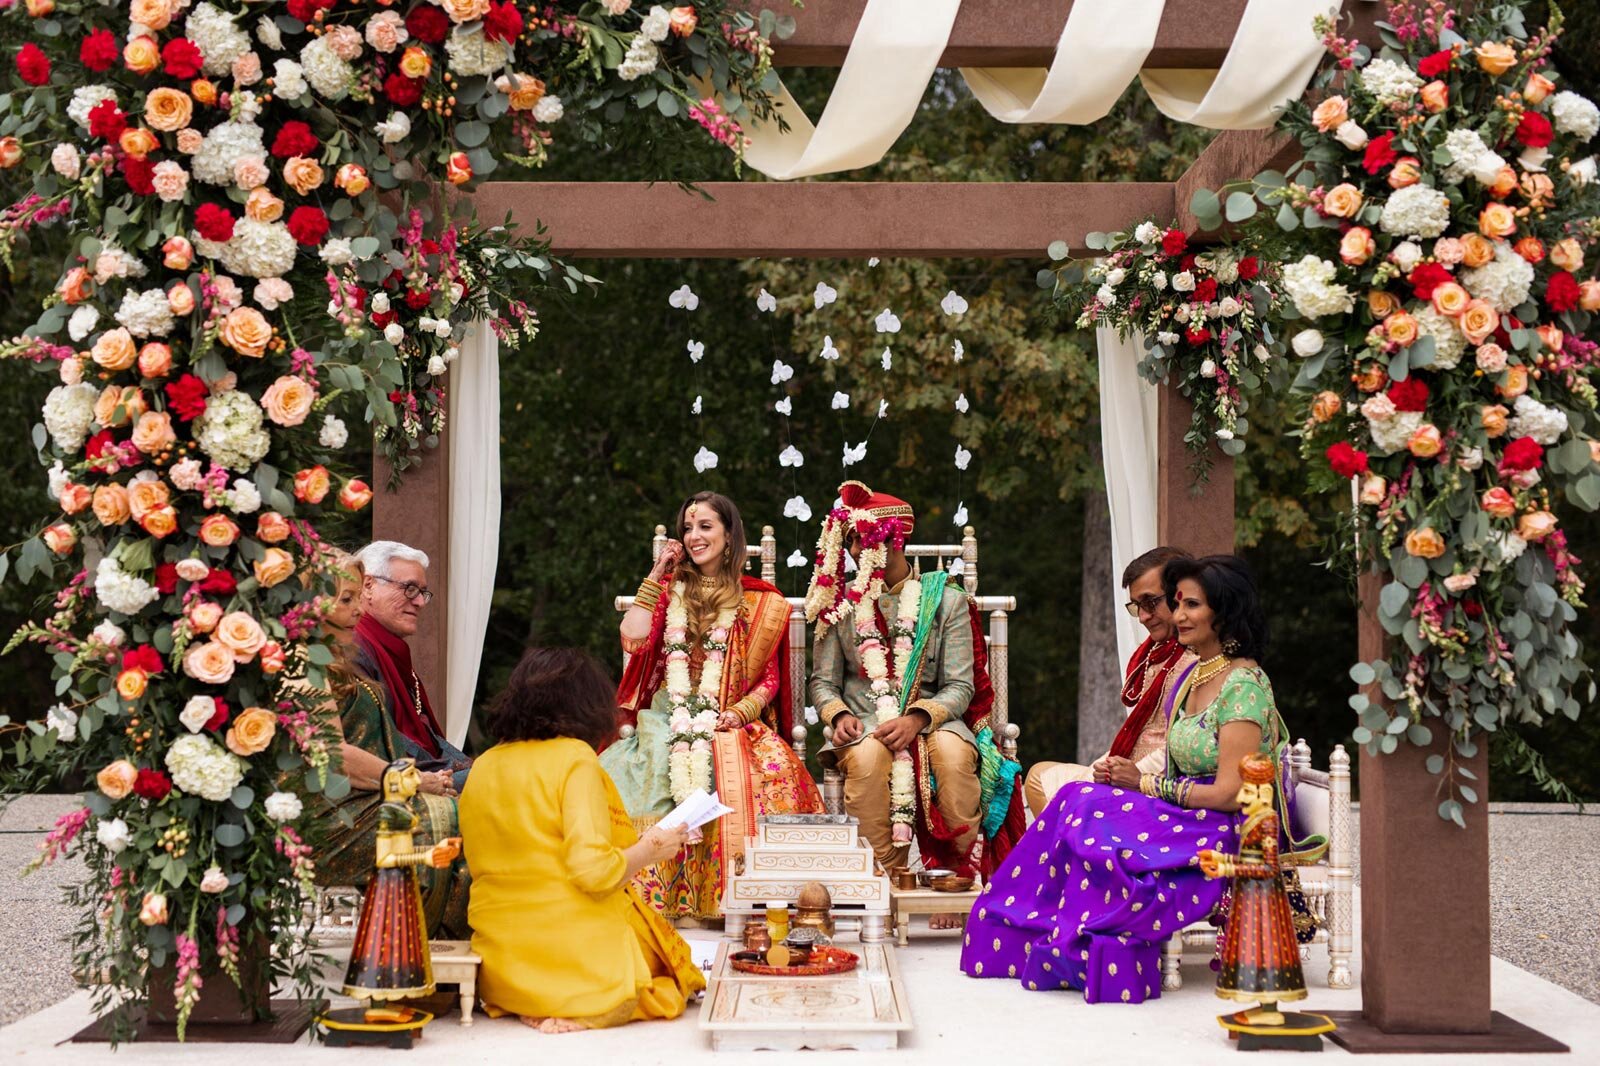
(648, 596)
(1147, 784)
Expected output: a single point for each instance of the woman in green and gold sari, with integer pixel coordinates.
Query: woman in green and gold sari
(370, 742)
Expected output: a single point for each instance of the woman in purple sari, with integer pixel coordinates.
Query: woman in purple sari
(1110, 870)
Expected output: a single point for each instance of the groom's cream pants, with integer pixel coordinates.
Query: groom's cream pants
(866, 791)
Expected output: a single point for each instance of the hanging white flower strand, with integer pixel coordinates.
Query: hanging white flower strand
(954, 305)
(790, 458)
(705, 459)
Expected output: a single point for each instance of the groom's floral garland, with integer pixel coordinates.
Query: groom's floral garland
(828, 604)
(692, 713)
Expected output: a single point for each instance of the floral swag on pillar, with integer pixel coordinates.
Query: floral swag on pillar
(256, 256)
(1433, 296)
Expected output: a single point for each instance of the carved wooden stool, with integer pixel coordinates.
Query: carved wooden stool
(904, 902)
(454, 963)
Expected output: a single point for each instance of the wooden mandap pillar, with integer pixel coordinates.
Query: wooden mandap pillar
(418, 514)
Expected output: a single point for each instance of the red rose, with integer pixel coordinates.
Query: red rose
(1561, 292)
(1380, 153)
(1204, 291)
(1409, 395)
(1534, 130)
(1427, 277)
(383, 318)
(214, 222)
(99, 50)
(144, 657)
(401, 90)
(1436, 64)
(1347, 461)
(428, 24)
(306, 10)
(418, 300)
(308, 225)
(219, 717)
(99, 444)
(187, 397)
(295, 138)
(152, 785)
(180, 58)
(166, 578)
(140, 175)
(1473, 608)
(502, 23)
(1197, 337)
(1174, 242)
(1524, 453)
(33, 65)
(1248, 268)
(1187, 262)
(218, 581)
(107, 121)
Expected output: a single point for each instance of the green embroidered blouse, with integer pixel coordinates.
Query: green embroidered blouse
(1246, 696)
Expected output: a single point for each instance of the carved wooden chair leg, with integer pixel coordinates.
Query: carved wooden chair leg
(1172, 963)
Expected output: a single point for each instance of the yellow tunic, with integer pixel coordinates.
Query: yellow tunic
(543, 830)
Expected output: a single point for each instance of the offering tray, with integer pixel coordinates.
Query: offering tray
(823, 961)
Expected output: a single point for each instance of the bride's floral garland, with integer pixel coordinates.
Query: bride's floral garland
(693, 712)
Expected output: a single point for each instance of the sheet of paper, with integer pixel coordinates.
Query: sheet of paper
(695, 811)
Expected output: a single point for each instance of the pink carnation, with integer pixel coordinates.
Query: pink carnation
(345, 42)
(249, 172)
(189, 141)
(270, 292)
(386, 32)
(247, 69)
(171, 181)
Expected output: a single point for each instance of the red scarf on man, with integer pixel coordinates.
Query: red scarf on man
(393, 657)
(1142, 702)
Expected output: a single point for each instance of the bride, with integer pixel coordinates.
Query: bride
(707, 694)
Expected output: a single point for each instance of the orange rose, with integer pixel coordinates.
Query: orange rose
(312, 484)
(190, 140)
(10, 152)
(77, 286)
(138, 142)
(1495, 58)
(74, 497)
(1478, 321)
(355, 495)
(142, 55)
(1567, 254)
(1531, 249)
(1426, 442)
(1538, 88)
(218, 530)
(262, 206)
(1331, 114)
(177, 253)
(1371, 378)
(272, 528)
(273, 658)
(240, 634)
(208, 663)
(1425, 543)
(465, 10)
(523, 91)
(245, 330)
(1373, 489)
(252, 731)
(1589, 294)
(1493, 420)
(1497, 220)
(415, 62)
(114, 350)
(155, 360)
(1435, 97)
(59, 538)
(302, 174)
(1538, 189)
(1407, 170)
(352, 178)
(156, 14)
(1551, 337)
(1356, 246)
(132, 683)
(274, 567)
(1401, 328)
(168, 110)
(683, 21)
(1504, 183)
(1450, 299)
(1326, 406)
(116, 781)
(146, 496)
(40, 8)
(1476, 251)
(1594, 451)
(162, 522)
(153, 911)
(1381, 304)
(117, 407)
(459, 170)
(1516, 382)
(288, 400)
(1498, 502)
(111, 505)
(180, 300)
(204, 616)
(1535, 526)
(203, 90)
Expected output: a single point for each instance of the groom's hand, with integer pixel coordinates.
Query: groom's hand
(897, 734)
(847, 729)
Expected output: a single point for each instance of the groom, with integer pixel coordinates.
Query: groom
(898, 671)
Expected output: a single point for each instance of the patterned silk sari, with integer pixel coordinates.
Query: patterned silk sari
(755, 770)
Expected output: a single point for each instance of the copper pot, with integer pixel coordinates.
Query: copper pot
(756, 937)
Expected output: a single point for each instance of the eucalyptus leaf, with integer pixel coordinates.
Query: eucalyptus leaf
(1241, 205)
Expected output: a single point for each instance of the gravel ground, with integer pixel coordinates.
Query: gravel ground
(1544, 876)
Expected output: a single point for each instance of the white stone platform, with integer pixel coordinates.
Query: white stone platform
(958, 1020)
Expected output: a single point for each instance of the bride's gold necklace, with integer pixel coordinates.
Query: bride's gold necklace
(1206, 669)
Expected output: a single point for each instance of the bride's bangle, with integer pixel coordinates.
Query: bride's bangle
(649, 595)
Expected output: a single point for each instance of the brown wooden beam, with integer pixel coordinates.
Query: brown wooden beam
(1233, 155)
(1023, 33)
(821, 220)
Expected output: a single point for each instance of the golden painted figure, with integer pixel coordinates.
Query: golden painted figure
(389, 959)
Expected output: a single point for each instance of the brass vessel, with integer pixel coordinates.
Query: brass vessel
(813, 908)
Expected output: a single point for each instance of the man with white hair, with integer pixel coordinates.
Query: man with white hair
(393, 594)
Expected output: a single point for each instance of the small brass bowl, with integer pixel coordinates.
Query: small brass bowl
(951, 883)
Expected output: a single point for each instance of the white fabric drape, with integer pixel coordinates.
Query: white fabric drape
(474, 517)
(1128, 445)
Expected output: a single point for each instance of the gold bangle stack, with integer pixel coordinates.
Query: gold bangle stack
(1147, 785)
(648, 596)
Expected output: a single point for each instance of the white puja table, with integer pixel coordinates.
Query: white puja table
(865, 1009)
(788, 851)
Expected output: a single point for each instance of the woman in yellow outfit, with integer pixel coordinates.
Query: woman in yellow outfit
(565, 941)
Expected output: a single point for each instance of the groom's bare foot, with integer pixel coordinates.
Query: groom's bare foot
(561, 1025)
(947, 921)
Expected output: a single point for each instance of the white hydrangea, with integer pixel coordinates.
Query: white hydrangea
(85, 99)
(246, 105)
(1416, 211)
(1504, 548)
(1505, 283)
(146, 314)
(641, 59)
(82, 322)
(333, 435)
(1146, 232)
(246, 498)
(336, 251)
(219, 40)
(259, 249)
(1406, 254)
(329, 75)
(1159, 280)
(68, 414)
(1392, 434)
(197, 712)
(64, 720)
(1310, 285)
(288, 80)
(283, 806)
(121, 591)
(657, 24)
(267, 33)
(230, 432)
(1106, 296)
(58, 478)
(1575, 114)
(224, 146)
(549, 109)
(114, 261)
(471, 53)
(113, 835)
(202, 769)
(1389, 81)
(1584, 171)
(1534, 419)
(1448, 340)
(1464, 147)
